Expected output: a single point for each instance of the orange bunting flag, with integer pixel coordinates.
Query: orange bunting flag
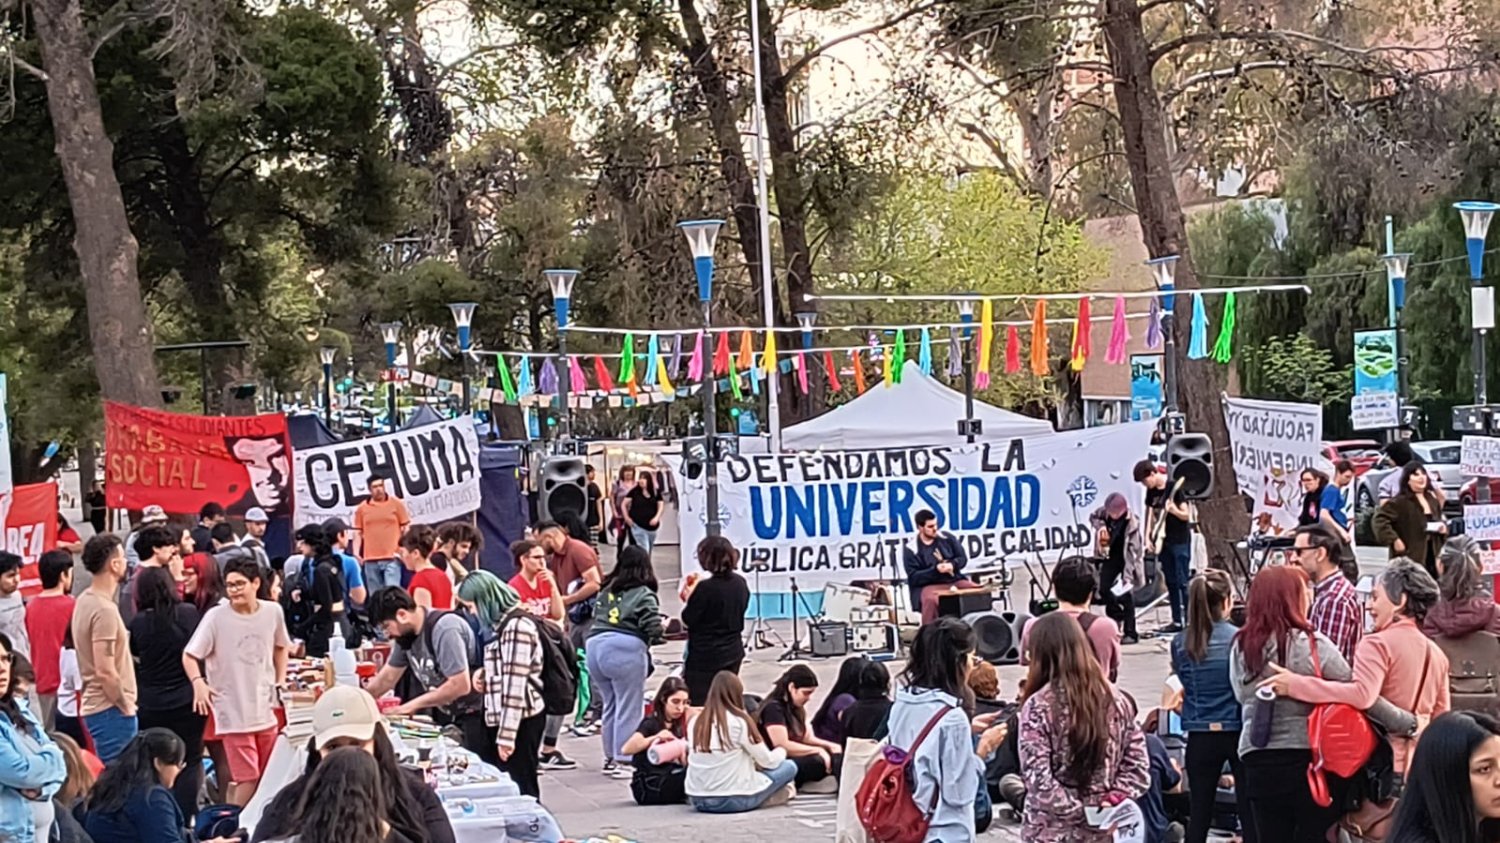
(746, 359)
(1082, 337)
(721, 356)
(1039, 339)
(859, 371)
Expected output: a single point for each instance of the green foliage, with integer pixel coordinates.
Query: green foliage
(1294, 367)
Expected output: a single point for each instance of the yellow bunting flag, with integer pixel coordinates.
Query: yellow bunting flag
(768, 357)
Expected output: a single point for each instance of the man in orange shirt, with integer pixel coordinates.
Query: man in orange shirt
(379, 523)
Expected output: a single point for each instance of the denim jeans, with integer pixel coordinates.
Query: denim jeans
(644, 539)
(1176, 559)
(779, 777)
(618, 662)
(111, 730)
(381, 573)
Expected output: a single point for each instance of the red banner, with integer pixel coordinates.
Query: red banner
(31, 530)
(181, 462)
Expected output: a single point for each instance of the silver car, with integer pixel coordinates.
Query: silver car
(1441, 459)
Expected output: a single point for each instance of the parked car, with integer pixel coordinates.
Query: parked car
(1469, 493)
(1364, 453)
(1440, 457)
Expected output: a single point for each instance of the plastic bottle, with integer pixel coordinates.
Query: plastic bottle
(345, 665)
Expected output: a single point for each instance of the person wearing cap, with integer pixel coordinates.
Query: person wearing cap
(345, 716)
(1122, 547)
(151, 516)
(254, 539)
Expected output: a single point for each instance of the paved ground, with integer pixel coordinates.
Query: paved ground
(587, 803)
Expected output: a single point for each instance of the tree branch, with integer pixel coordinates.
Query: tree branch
(800, 64)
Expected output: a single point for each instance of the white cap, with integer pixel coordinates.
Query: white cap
(257, 515)
(153, 513)
(345, 712)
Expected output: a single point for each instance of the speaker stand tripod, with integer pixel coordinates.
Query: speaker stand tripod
(795, 651)
(760, 634)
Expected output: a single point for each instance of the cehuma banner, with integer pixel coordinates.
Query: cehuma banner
(1272, 441)
(181, 462)
(434, 469)
(31, 530)
(844, 516)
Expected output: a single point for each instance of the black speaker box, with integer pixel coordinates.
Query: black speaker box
(1190, 460)
(563, 488)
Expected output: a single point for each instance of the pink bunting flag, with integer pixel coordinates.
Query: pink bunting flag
(1119, 335)
(577, 382)
(1012, 350)
(802, 371)
(695, 363)
(833, 371)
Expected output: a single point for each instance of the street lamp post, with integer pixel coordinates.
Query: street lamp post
(1476, 217)
(326, 354)
(561, 282)
(463, 316)
(966, 315)
(1164, 272)
(701, 236)
(1395, 273)
(390, 332)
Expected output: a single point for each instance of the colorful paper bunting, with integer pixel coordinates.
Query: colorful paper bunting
(675, 367)
(1039, 365)
(1198, 338)
(1083, 331)
(859, 372)
(924, 352)
(885, 370)
(1119, 335)
(721, 356)
(506, 384)
(955, 354)
(1224, 346)
(579, 384)
(601, 374)
(627, 359)
(524, 386)
(768, 357)
(747, 355)
(1153, 325)
(663, 378)
(547, 380)
(802, 371)
(833, 371)
(1012, 350)
(986, 344)
(653, 356)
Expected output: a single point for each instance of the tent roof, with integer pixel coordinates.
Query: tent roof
(917, 411)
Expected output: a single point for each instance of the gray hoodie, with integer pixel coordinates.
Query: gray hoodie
(944, 765)
(13, 623)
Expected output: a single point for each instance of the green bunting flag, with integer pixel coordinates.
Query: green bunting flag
(1224, 345)
(506, 384)
(627, 359)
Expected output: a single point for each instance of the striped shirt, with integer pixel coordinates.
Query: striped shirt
(1336, 613)
(513, 665)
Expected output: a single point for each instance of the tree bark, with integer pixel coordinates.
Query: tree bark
(107, 250)
(1200, 383)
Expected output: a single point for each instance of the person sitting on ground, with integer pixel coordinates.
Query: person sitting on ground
(349, 717)
(665, 728)
(1452, 790)
(730, 769)
(132, 801)
(782, 718)
(344, 801)
(869, 715)
(826, 724)
(1074, 581)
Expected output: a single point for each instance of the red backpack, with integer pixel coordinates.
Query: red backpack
(1340, 737)
(885, 803)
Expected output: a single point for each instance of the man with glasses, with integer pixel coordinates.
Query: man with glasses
(1335, 611)
(236, 662)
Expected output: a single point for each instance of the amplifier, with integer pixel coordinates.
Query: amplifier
(956, 604)
(829, 638)
(873, 638)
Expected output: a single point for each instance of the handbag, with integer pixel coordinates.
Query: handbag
(885, 803)
(1371, 819)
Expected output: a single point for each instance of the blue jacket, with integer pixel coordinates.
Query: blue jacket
(943, 762)
(32, 762)
(1208, 701)
(150, 816)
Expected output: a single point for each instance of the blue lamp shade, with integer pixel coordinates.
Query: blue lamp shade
(701, 236)
(1164, 273)
(966, 315)
(1395, 271)
(463, 316)
(807, 319)
(390, 333)
(560, 281)
(1477, 217)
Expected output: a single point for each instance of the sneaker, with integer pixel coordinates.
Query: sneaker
(781, 797)
(1129, 639)
(585, 730)
(555, 761)
(1170, 629)
(609, 767)
(623, 771)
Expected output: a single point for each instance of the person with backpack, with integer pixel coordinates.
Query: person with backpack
(321, 590)
(1274, 744)
(932, 799)
(1465, 625)
(1074, 581)
(1080, 746)
(1396, 661)
(529, 672)
(618, 649)
(441, 650)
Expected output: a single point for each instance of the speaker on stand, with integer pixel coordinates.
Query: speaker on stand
(1190, 462)
(563, 488)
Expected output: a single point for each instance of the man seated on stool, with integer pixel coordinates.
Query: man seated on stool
(935, 567)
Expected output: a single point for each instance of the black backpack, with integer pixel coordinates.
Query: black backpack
(560, 674)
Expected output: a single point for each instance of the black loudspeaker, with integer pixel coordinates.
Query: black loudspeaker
(1190, 460)
(563, 490)
(997, 635)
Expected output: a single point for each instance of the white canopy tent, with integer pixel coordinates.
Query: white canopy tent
(917, 411)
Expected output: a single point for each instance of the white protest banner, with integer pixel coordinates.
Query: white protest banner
(844, 516)
(1482, 521)
(1374, 410)
(433, 469)
(1271, 442)
(1479, 456)
(1489, 562)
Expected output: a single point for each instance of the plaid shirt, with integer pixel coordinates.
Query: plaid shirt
(1336, 613)
(513, 671)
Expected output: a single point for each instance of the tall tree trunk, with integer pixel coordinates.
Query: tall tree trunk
(1199, 382)
(791, 211)
(118, 328)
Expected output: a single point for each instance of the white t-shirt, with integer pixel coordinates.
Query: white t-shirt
(72, 683)
(237, 651)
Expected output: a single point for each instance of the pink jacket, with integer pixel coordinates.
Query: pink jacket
(1388, 664)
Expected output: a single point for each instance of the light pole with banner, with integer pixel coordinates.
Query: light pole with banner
(1164, 273)
(701, 237)
(1477, 217)
(326, 354)
(561, 283)
(969, 427)
(390, 333)
(1396, 264)
(463, 317)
